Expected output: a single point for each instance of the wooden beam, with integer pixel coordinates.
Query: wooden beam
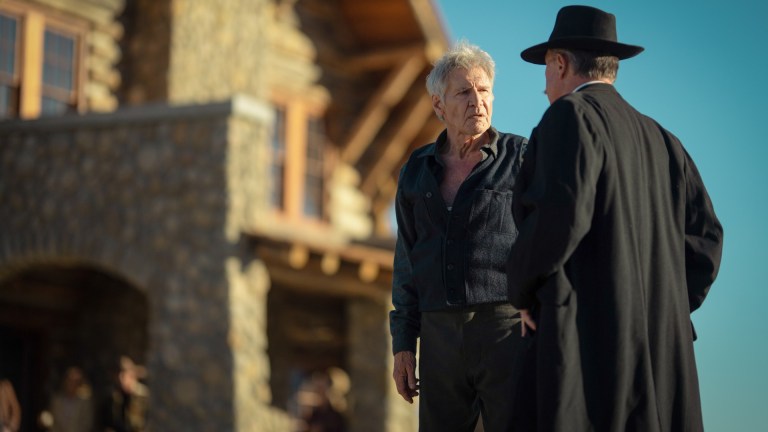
(397, 142)
(432, 26)
(381, 204)
(383, 224)
(341, 286)
(330, 264)
(368, 271)
(295, 157)
(330, 261)
(375, 114)
(381, 59)
(32, 68)
(282, 250)
(384, 195)
(298, 256)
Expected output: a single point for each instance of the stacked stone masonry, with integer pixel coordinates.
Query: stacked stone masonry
(147, 198)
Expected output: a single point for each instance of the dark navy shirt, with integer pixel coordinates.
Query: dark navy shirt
(451, 259)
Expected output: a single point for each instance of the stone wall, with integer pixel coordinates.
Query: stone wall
(376, 405)
(249, 286)
(189, 51)
(146, 44)
(146, 195)
(218, 50)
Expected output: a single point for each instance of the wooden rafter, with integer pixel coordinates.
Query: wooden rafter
(31, 91)
(297, 254)
(387, 187)
(381, 205)
(340, 285)
(376, 112)
(348, 271)
(432, 27)
(408, 125)
(381, 59)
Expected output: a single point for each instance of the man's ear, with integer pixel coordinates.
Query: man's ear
(437, 105)
(562, 65)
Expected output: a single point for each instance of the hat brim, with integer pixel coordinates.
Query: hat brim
(537, 53)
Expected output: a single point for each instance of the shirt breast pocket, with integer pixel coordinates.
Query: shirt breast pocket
(492, 211)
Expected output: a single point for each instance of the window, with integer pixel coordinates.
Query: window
(314, 175)
(9, 87)
(298, 163)
(58, 93)
(278, 159)
(41, 60)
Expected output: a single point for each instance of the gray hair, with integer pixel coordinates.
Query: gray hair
(591, 65)
(462, 55)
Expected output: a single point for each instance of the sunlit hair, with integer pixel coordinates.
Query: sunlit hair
(591, 65)
(462, 55)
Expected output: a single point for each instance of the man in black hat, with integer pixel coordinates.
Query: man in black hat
(618, 244)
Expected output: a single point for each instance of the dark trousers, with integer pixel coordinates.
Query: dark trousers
(468, 366)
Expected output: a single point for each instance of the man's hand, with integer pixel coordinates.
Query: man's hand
(405, 375)
(526, 320)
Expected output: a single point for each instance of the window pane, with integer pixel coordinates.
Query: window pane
(278, 159)
(5, 101)
(7, 45)
(58, 73)
(8, 49)
(58, 60)
(314, 178)
(54, 106)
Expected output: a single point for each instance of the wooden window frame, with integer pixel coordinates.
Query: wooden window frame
(33, 20)
(298, 113)
(279, 203)
(322, 172)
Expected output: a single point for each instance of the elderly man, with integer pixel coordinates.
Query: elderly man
(618, 244)
(455, 230)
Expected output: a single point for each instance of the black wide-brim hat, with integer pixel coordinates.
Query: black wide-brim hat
(582, 28)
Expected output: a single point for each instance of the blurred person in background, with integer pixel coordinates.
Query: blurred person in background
(328, 402)
(72, 406)
(126, 406)
(10, 410)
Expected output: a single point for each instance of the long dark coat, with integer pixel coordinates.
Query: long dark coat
(618, 244)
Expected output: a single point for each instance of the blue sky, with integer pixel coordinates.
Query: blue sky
(702, 76)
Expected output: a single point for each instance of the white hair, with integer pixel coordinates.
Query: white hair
(462, 55)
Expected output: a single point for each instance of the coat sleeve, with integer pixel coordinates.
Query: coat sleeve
(555, 200)
(703, 237)
(405, 319)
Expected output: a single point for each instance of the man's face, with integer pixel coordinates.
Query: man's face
(552, 74)
(467, 105)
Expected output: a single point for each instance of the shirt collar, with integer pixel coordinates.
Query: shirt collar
(587, 84)
(492, 147)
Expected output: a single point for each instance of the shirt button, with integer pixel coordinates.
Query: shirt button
(429, 194)
(450, 266)
(450, 242)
